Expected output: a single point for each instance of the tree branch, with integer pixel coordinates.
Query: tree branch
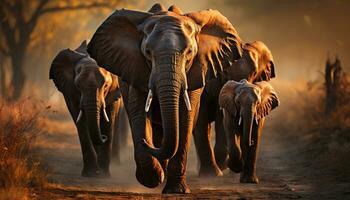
(37, 12)
(78, 7)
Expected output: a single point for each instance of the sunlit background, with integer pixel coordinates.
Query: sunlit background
(301, 35)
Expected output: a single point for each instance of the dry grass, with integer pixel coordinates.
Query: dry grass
(302, 116)
(20, 168)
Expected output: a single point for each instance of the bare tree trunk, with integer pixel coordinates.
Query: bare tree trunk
(18, 75)
(2, 77)
(333, 78)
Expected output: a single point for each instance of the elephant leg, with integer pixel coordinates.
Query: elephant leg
(149, 172)
(202, 135)
(116, 132)
(235, 158)
(107, 128)
(176, 174)
(220, 148)
(248, 174)
(233, 141)
(123, 127)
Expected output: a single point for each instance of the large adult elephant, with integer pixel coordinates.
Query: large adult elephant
(164, 59)
(92, 96)
(255, 65)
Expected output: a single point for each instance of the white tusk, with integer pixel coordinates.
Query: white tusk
(149, 100)
(187, 100)
(105, 114)
(240, 120)
(79, 116)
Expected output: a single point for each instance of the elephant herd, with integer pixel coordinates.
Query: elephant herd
(175, 73)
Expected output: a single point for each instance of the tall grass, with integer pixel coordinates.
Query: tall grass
(20, 168)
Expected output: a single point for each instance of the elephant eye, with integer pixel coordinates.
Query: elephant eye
(147, 53)
(190, 51)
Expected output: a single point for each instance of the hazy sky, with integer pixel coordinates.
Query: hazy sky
(300, 33)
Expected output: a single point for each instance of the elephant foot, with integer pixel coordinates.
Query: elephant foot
(222, 165)
(249, 179)
(150, 174)
(221, 159)
(235, 165)
(176, 187)
(212, 171)
(164, 164)
(105, 174)
(90, 173)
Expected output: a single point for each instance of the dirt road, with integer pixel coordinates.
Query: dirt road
(281, 171)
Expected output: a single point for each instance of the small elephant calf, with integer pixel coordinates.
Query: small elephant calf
(93, 98)
(245, 106)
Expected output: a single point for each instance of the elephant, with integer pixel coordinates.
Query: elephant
(88, 89)
(163, 59)
(120, 140)
(256, 64)
(245, 106)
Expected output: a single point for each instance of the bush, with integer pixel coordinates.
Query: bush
(302, 116)
(20, 168)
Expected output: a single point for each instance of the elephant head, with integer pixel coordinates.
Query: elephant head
(255, 65)
(165, 53)
(78, 77)
(246, 102)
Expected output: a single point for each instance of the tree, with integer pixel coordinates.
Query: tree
(18, 19)
(336, 86)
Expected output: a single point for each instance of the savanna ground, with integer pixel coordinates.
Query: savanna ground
(303, 156)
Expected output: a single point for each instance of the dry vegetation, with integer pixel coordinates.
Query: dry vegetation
(327, 136)
(21, 171)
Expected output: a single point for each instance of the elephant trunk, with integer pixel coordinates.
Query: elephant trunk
(168, 85)
(248, 117)
(91, 107)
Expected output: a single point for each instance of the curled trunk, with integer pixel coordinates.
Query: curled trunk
(168, 88)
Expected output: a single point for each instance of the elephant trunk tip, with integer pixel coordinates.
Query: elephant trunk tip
(158, 153)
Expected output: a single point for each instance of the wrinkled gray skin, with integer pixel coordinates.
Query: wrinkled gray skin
(245, 106)
(90, 93)
(256, 64)
(165, 55)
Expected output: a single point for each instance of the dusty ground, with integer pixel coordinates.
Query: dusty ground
(284, 174)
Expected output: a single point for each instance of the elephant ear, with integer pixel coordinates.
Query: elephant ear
(175, 9)
(218, 46)
(82, 48)
(114, 91)
(62, 70)
(227, 97)
(263, 59)
(269, 99)
(157, 7)
(116, 46)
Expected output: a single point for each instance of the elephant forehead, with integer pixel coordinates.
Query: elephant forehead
(167, 20)
(87, 61)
